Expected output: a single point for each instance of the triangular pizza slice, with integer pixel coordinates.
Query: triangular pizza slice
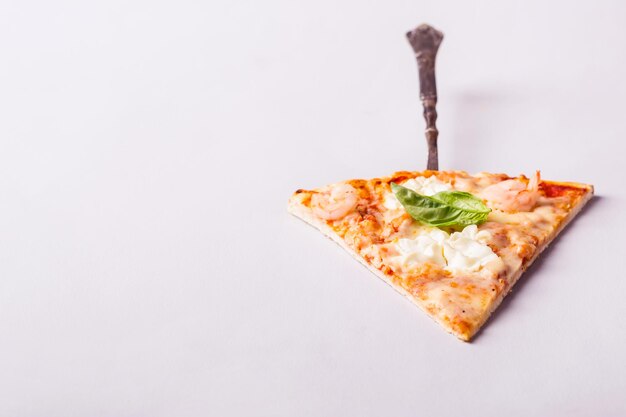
(453, 243)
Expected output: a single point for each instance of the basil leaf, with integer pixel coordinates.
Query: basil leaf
(446, 208)
(462, 200)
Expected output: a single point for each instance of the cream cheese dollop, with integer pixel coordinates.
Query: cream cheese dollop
(466, 250)
(422, 185)
(427, 247)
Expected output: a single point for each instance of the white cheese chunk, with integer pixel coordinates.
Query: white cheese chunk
(466, 250)
(426, 185)
(421, 185)
(391, 202)
(424, 248)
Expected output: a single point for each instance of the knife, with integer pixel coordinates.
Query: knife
(425, 41)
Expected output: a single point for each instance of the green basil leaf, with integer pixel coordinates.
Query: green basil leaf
(447, 208)
(462, 200)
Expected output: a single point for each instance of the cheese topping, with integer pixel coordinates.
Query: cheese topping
(422, 185)
(427, 247)
(426, 185)
(466, 250)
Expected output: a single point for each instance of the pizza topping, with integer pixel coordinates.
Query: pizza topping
(421, 185)
(427, 247)
(391, 202)
(334, 202)
(466, 250)
(513, 195)
(426, 185)
(446, 208)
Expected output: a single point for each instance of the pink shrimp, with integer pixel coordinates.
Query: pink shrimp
(513, 195)
(334, 202)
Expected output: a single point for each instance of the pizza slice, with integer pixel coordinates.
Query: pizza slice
(453, 243)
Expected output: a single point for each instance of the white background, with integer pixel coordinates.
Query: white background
(148, 266)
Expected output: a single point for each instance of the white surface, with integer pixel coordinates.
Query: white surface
(148, 266)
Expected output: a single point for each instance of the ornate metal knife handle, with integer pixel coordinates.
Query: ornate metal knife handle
(425, 41)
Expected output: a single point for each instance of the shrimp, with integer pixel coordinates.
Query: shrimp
(335, 202)
(513, 195)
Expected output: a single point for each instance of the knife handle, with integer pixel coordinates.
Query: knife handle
(425, 41)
